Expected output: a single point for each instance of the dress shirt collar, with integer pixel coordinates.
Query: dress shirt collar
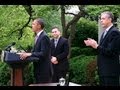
(39, 33)
(57, 38)
(109, 27)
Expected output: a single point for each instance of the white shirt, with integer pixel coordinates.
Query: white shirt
(105, 32)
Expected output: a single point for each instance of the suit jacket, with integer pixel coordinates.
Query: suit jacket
(42, 68)
(60, 52)
(108, 57)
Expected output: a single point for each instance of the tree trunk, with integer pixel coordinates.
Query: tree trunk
(64, 33)
(71, 37)
(71, 24)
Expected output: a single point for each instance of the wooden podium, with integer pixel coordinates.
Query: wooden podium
(17, 76)
(17, 66)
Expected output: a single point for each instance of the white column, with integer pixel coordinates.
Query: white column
(100, 30)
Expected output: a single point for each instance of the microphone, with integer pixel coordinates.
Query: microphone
(9, 46)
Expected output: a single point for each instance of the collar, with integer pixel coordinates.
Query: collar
(108, 27)
(38, 34)
(57, 38)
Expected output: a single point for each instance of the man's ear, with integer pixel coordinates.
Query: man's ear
(39, 26)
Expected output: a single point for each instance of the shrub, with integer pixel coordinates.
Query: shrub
(92, 75)
(28, 74)
(84, 29)
(76, 51)
(81, 71)
(4, 74)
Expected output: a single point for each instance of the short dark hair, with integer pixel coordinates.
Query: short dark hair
(110, 14)
(41, 22)
(56, 27)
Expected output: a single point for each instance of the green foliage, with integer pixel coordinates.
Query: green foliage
(4, 74)
(95, 10)
(28, 75)
(92, 75)
(88, 51)
(12, 18)
(27, 40)
(75, 51)
(85, 29)
(51, 16)
(79, 69)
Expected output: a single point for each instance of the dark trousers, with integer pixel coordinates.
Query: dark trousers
(109, 81)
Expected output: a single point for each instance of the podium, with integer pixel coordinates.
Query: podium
(17, 66)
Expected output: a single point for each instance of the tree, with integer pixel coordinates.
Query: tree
(71, 24)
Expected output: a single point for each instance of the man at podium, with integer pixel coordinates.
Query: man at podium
(41, 49)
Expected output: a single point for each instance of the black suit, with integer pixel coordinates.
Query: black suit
(42, 68)
(108, 59)
(60, 52)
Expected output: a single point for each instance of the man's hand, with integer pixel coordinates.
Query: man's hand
(24, 55)
(91, 42)
(54, 60)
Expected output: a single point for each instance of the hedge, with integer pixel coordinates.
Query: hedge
(83, 70)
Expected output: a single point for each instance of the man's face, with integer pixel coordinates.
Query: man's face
(35, 26)
(55, 33)
(105, 20)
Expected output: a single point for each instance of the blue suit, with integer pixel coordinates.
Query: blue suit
(42, 68)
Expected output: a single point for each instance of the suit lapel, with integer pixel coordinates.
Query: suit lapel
(101, 39)
(38, 40)
(108, 33)
(53, 45)
(42, 33)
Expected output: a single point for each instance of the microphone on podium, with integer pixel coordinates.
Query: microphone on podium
(9, 46)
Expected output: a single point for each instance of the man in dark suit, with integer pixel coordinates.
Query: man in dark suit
(59, 54)
(42, 68)
(108, 56)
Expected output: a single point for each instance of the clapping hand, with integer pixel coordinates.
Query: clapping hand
(91, 42)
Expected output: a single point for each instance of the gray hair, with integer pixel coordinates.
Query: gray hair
(110, 15)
